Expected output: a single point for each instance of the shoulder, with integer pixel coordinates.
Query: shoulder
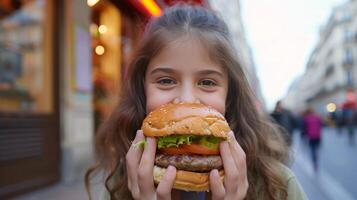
(294, 189)
(286, 172)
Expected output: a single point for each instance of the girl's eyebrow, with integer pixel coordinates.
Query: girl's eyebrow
(162, 69)
(170, 71)
(209, 72)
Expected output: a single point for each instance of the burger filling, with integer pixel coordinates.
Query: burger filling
(195, 163)
(189, 152)
(177, 141)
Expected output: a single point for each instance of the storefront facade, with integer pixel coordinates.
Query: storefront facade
(61, 66)
(29, 107)
(61, 63)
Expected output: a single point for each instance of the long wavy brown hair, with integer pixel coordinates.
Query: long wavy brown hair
(261, 141)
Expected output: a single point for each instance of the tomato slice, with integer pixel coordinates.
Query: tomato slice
(189, 149)
(173, 151)
(199, 149)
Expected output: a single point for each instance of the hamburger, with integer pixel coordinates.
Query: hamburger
(188, 137)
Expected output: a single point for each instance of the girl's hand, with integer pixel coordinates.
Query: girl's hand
(140, 164)
(235, 184)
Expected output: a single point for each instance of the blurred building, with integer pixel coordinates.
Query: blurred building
(61, 66)
(332, 67)
(61, 63)
(231, 12)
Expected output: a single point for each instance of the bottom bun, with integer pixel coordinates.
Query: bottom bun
(186, 180)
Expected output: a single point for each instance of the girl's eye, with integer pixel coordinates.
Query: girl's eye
(207, 83)
(166, 81)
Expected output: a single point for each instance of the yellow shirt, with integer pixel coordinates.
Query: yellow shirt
(295, 191)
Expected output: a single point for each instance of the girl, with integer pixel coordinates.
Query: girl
(186, 55)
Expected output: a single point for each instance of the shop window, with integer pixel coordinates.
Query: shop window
(25, 68)
(349, 78)
(348, 36)
(346, 16)
(348, 60)
(329, 70)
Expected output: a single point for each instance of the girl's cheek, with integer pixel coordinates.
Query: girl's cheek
(216, 100)
(217, 103)
(156, 98)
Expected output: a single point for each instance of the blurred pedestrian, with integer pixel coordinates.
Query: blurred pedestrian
(299, 124)
(312, 129)
(285, 119)
(338, 119)
(349, 112)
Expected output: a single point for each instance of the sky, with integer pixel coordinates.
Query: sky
(282, 34)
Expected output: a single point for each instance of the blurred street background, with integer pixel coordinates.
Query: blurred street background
(62, 64)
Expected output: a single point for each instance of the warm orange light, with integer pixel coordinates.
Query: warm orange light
(91, 3)
(331, 107)
(152, 7)
(99, 50)
(102, 29)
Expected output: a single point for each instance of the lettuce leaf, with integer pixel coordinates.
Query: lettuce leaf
(210, 142)
(174, 140)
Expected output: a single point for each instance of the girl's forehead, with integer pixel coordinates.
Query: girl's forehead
(184, 52)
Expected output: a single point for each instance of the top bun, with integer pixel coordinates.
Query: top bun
(185, 119)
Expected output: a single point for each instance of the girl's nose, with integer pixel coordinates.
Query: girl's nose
(188, 96)
(178, 100)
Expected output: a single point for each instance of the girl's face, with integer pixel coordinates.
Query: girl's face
(184, 72)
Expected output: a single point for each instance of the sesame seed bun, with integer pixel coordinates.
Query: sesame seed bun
(185, 180)
(185, 119)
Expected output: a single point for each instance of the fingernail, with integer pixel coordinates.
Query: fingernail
(215, 172)
(139, 133)
(224, 143)
(170, 168)
(150, 139)
(231, 134)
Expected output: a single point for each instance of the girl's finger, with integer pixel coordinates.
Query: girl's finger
(237, 153)
(132, 163)
(133, 156)
(231, 176)
(164, 188)
(145, 173)
(216, 185)
(240, 160)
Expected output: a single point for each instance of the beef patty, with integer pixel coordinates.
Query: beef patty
(194, 163)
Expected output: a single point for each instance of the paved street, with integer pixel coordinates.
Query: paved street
(336, 178)
(66, 191)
